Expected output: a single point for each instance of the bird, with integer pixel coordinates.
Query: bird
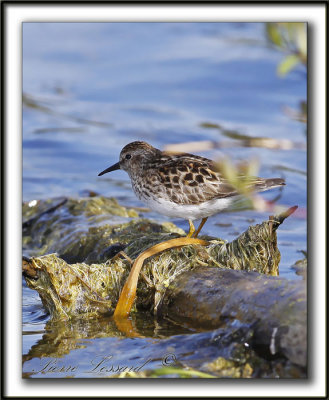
(181, 185)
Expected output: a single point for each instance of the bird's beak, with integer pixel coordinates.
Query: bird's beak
(110, 169)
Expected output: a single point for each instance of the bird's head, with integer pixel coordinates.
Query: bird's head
(132, 157)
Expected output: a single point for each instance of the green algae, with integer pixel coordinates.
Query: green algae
(69, 290)
(80, 255)
(254, 250)
(86, 274)
(83, 230)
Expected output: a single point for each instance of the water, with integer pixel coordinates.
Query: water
(91, 88)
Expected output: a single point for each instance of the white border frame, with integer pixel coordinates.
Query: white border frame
(15, 14)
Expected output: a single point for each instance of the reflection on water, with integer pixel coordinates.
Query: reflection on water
(97, 349)
(90, 88)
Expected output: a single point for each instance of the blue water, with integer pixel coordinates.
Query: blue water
(103, 85)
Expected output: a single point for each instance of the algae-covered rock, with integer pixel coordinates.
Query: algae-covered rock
(87, 230)
(80, 290)
(254, 250)
(71, 290)
(202, 286)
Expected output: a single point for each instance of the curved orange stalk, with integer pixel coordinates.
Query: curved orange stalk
(126, 327)
(128, 293)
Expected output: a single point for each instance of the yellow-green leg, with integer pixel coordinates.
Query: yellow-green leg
(192, 229)
(204, 220)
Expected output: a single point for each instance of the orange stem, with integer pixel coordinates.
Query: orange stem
(128, 293)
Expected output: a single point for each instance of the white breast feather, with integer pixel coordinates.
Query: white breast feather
(192, 211)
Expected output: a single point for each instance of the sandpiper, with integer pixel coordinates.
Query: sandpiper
(180, 185)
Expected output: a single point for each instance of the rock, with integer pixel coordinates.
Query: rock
(275, 308)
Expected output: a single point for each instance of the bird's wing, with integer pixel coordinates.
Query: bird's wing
(189, 179)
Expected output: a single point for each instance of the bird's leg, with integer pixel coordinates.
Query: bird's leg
(200, 227)
(192, 229)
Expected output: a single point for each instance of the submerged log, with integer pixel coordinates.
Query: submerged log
(274, 308)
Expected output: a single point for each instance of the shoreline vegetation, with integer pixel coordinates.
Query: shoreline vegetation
(201, 286)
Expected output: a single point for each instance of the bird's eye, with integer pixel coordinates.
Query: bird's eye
(128, 156)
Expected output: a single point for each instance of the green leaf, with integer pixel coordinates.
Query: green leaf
(235, 135)
(253, 168)
(183, 373)
(210, 125)
(288, 64)
(274, 34)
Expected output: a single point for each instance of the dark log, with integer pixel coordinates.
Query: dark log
(274, 307)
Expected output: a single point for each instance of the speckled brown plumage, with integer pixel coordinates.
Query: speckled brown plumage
(182, 185)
